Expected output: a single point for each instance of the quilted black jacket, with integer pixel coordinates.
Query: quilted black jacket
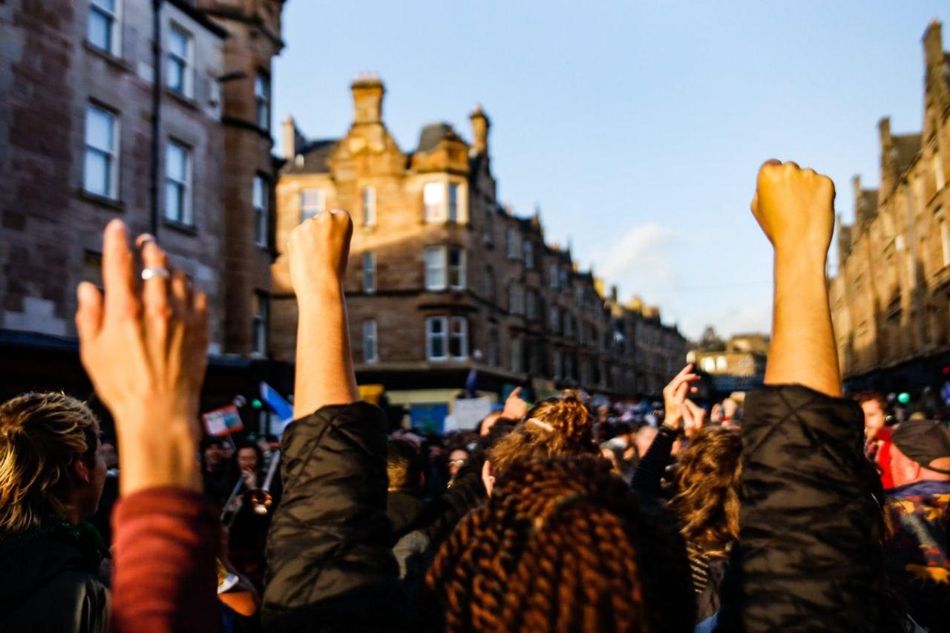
(810, 554)
(331, 566)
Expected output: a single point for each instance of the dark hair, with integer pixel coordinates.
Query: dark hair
(867, 396)
(254, 447)
(403, 465)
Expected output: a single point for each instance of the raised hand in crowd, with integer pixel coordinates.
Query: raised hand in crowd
(795, 208)
(318, 250)
(675, 396)
(694, 418)
(144, 346)
(809, 552)
(515, 406)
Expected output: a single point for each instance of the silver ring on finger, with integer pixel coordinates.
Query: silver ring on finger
(155, 272)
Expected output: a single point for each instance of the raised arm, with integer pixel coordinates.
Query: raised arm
(318, 252)
(329, 550)
(795, 208)
(809, 552)
(144, 346)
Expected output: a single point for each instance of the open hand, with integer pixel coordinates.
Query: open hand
(318, 250)
(794, 207)
(675, 394)
(144, 346)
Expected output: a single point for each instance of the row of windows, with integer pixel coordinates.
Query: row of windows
(101, 173)
(104, 32)
(440, 203)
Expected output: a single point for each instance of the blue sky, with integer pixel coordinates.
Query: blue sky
(637, 127)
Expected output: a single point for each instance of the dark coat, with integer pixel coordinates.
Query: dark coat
(810, 553)
(331, 566)
(49, 583)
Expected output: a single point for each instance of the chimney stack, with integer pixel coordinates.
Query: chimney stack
(289, 137)
(368, 91)
(480, 126)
(933, 45)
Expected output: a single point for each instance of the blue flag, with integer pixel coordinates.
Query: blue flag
(470, 383)
(277, 403)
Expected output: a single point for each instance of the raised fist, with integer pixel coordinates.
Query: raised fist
(318, 250)
(794, 207)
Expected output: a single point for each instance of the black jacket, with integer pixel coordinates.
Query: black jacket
(331, 566)
(49, 582)
(810, 555)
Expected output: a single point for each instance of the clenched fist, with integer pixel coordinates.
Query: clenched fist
(318, 251)
(795, 208)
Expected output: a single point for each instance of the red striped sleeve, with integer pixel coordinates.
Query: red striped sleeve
(164, 580)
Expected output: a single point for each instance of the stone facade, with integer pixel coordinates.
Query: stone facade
(891, 294)
(75, 143)
(442, 278)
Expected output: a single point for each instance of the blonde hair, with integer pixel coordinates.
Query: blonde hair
(556, 427)
(41, 435)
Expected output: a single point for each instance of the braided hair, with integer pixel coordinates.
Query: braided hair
(555, 549)
(554, 427)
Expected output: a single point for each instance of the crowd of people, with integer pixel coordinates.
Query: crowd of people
(795, 510)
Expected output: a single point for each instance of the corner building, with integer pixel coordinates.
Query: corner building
(442, 278)
(891, 295)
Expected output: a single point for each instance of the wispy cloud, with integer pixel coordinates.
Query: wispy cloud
(639, 260)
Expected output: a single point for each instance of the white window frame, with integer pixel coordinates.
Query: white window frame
(262, 100)
(368, 198)
(114, 18)
(111, 153)
(260, 200)
(436, 269)
(369, 272)
(186, 217)
(452, 206)
(310, 209)
(370, 341)
(186, 62)
(458, 330)
(432, 336)
(259, 324)
(457, 271)
(434, 202)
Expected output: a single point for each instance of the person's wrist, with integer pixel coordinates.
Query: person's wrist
(673, 423)
(320, 292)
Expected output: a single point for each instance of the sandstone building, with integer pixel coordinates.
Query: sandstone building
(736, 364)
(89, 131)
(891, 295)
(442, 277)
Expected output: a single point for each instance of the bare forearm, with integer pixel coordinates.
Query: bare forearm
(803, 349)
(324, 364)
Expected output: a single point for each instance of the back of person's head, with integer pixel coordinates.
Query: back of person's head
(554, 549)
(560, 426)
(403, 465)
(42, 435)
(706, 487)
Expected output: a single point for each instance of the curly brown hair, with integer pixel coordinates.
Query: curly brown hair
(707, 490)
(555, 549)
(554, 427)
(41, 434)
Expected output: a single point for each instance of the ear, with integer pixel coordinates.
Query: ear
(487, 478)
(81, 470)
